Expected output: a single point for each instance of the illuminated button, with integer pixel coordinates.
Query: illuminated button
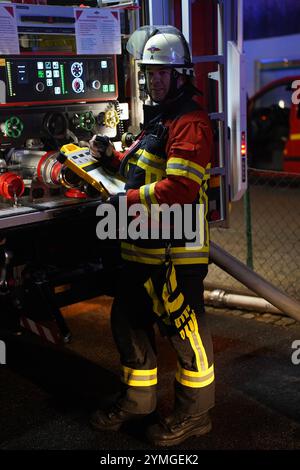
(41, 74)
(40, 65)
(78, 85)
(112, 87)
(55, 73)
(105, 88)
(48, 65)
(96, 84)
(104, 64)
(77, 69)
(55, 65)
(40, 87)
(49, 82)
(57, 90)
(49, 73)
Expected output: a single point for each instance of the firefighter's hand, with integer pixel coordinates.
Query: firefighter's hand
(101, 147)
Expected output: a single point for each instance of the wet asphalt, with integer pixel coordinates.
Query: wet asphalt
(47, 393)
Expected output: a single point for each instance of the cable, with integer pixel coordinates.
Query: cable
(120, 125)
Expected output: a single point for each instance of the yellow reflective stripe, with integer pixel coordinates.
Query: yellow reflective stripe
(158, 307)
(132, 159)
(176, 304)
(150, 156)
(147, 195)
(186, 164)
(207, 172)
(187, 322)
(179, 255)
(151, 188)
(189, 169)
(155, 169)
(195, 379)
(185, 173)
(197, 346)
(140, 372)
(137, 383)
(145, 162)
(294, 136)
(138, 377)
(176, 252)
(142, 259)
(187, 250)
(143, 198)
(203, 199)
(152, 174)
(172, 277)
(172, 306)
(188, 253)
(195, 373)
(157, 255)
(195, 260)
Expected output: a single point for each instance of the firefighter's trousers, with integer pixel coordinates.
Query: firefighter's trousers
(134, 313)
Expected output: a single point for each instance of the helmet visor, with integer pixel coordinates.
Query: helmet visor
(136, 42)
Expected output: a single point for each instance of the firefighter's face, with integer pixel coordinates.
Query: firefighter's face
(158, 81)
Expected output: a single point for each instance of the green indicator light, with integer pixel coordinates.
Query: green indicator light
(105, 88)
(9, 78)
(112, 87)
(62, 73)
(41, 74)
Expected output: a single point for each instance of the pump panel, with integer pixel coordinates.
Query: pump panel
(48, 79)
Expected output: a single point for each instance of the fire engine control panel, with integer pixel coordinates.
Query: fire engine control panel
(47, 102)
(52, 101)
(53, 79)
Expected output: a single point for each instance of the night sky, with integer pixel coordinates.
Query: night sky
(266, 18)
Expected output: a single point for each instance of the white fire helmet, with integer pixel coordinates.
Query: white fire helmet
(161, 45)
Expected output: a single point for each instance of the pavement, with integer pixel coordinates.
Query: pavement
(47, 393)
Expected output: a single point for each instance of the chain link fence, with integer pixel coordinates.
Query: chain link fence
(264, 233)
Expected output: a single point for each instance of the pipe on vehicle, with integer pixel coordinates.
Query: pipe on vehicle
(219, 297)
(254, 281)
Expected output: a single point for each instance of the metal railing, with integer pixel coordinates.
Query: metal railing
(264, 233)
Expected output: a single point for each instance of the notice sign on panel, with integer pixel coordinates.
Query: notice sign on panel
(98, 31)
(9, 42)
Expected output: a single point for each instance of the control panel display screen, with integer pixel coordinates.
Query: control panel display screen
(46, 79)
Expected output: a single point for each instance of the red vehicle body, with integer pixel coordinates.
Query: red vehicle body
(274, 126)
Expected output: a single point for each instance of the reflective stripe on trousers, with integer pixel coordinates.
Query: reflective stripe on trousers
(171, 305)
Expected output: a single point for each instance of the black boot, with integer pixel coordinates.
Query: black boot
(112, 419)
(177, 428)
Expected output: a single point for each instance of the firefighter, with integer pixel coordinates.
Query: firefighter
(162, 280)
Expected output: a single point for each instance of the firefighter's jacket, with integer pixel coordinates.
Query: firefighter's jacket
(169, 164)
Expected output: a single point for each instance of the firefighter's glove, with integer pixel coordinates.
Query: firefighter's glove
(180, 313)
(102, 149)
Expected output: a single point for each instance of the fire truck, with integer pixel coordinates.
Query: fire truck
(64, 76)
(274, 127)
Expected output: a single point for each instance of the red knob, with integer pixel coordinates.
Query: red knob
(11, 185)
(76, 193)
